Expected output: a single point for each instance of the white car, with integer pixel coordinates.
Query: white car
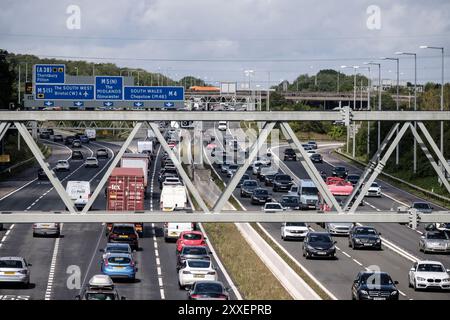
(429, 275)
(222, 126)
(310, 153)
(91, 162)
(271, 207)
(193, 270)
(62, 165)
(172, 181)
(374, 190)
(339, 228)
(293, 230)
(46, 229)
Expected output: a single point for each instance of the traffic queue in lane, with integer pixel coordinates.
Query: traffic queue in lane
(359, 236)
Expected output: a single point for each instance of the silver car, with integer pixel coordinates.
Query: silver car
(339, 228)
(91, 162)
(46, 229)
(62, 165)
(14, 269)
(434, 241)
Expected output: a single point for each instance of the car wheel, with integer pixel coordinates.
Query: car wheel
(415, 285)
(409, 283)
(349, 244)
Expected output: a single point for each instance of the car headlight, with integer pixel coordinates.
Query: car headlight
(420, 279)
(363, 292)
(446, 280)
(393, 293)
(378, 240)
(357, 240)
(332, 247)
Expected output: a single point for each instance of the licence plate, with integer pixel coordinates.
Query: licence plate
(9, 273)
(321, 252)
(119, 268)
(173, 233)
(378, 298)
(123, 237)
(199, 276)
(367, 244)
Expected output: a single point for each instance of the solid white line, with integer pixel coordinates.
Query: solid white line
(402, 293)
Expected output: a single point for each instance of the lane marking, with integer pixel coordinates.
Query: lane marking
(48, 291)
(346, 254)
(359, 263)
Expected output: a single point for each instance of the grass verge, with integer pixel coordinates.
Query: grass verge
(253, 279)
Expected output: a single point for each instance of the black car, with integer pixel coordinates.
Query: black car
(77, 155)
(76, 143)
(289, 154)
(50, 132)
(102, 153)
(208, 290)
(316, 158)
(41, 175)
(260, 195)
(319, 244)
(247, 187)
(374, 285)
(124, 233)
(290, 202)
(69, 140)
(340, 172)
(364, 237)
(192, 252)
(282, 182)
(44, 135)
(268, 179)
(353, 178)
(58, 138)
(244, 177)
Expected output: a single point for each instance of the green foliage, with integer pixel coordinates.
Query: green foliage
(7, 77)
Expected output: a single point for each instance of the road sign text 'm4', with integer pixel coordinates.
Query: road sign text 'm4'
(154, 93)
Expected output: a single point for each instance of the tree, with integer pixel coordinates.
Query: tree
(7, 77)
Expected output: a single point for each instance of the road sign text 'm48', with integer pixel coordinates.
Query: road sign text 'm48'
(154, 93)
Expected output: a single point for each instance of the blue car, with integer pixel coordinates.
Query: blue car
(119, 266)
(84, 139)
(116, 248)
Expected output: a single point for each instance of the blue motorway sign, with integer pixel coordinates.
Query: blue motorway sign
(64, 92)
(154, 93)
(49, 73)
(108, 88)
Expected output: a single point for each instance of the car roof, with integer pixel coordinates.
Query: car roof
(429, 262)
(120, 254)
(11, 258)
(123, 225)
(117, 244)
(191, 232)
(373, 272)
(209, 281)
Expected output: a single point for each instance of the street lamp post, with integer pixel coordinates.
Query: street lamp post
(397, 149)
(76, 68)
(442, 96)
(379, 99)
(354, 107)
(415, 104)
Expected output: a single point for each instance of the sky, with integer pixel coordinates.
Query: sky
(218, 40)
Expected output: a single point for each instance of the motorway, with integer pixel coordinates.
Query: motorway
(60, 267)
(337, 275)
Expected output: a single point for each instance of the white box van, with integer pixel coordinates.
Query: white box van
(79, 192)
(90, 133)
(222, 126)
(173, 197)
(172, 230)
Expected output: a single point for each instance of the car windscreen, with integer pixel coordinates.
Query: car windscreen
(250, 183)
(245, 177)
(421, 206)
(282, 178)
(208, 288)
(365, 231)
(375, 185)
(123, 230)
(319, 238)
(273, 206)
(290, 199)
(117, 249)
(100, 296)
(430, 267)
(437, 236)
(119, 260)
(199, 263)
(233, 167)
(261, 192)
(192, 236)
(310, 191)
(295, 224)
(339, 169)
(17, 264)
(194, 251)
(376, 279)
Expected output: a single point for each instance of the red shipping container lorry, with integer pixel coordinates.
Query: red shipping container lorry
(125, 192)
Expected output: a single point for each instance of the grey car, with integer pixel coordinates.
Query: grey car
(14, 270)
(422, 207)
(434, 241)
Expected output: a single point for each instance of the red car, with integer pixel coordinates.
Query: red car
(190, 238)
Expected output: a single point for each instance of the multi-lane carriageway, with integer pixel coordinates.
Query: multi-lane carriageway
(79, 244)
(400, 243)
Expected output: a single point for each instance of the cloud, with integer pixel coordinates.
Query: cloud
(233, 29)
